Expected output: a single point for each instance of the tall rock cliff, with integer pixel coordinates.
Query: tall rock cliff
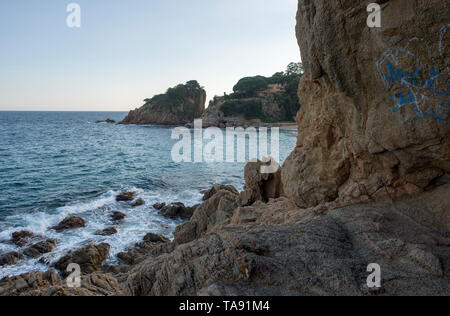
(178, 106)
(375, 101)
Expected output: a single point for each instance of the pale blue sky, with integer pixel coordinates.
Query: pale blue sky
(128, 50)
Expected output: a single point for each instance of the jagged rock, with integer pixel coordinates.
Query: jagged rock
(216, 188)
(50, 284)
(177, 210)
(159, 206)
(124, 197)
(144, 250)
(106, 232)
(217, 209)
(118, 216)
(154, 238)
(139, 202)
(365, 126)
(10, 258)
(260, 186)
(21, 238)
(180, 105)
(90, 258)
(70, 223)
(40, 248)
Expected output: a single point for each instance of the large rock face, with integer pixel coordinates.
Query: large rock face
(178, 106)
(375, 101)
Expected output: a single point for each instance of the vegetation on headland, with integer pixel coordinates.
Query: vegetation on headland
(248, 95)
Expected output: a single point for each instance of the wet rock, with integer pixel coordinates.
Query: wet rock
(159, 206)
(21, 238)
(106, 232)
(218, 187)
(125, 197)
(70, 223)
(118, 216)
(154, 238)
(26, 283)
(40, 248)
(106, 121)
(10, 258)
(177, 210)
(139, 202)
(90, 258)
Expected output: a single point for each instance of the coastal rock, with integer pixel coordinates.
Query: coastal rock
(125, 197)
(216, 188)
(106, 232)
(71, 222)
(364, 125)
(154, 238)
(90, 258)
(40, 248)
(139, 202)
(26, 283)
(178, 106)
(260, 186)
(177, 210)
(217, 209)
(159, 206)
(110, 121)
(21, 238)
(10, 258)
(118, 216)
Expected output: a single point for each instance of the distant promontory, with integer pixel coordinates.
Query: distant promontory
(178, 106)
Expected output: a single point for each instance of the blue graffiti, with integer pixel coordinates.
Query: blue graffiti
(405, 79)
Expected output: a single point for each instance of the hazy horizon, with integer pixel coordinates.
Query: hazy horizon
(126, 51)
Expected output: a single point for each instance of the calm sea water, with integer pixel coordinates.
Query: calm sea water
(55, 164)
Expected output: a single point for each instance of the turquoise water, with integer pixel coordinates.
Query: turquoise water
(54, 164)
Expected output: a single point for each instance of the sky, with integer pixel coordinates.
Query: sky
(129, 50)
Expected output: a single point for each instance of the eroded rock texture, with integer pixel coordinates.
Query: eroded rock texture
(375, 101)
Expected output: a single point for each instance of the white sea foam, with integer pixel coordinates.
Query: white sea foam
(97, 214)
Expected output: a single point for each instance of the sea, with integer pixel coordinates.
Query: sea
(58, 164)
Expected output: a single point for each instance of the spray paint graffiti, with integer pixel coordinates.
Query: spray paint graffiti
(423, 89)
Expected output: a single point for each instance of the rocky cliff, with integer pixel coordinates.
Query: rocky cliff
(178, 106)
(375, 101)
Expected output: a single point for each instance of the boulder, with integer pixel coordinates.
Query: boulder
(21, 238)
(118, 216)
(106, 232)
(260, 186)
(90, 258)
(177, 210)
(216, 188)
(124, 197)
(40, 248)
(10, 258)
(71, 222)
(154, 238)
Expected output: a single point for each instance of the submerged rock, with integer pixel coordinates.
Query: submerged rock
(10, 258)
(70, 223)
(118, 216)
(21, 238)
(125, 197)
(40, 248)
(106, 232)
(90, 258)
(139, 202)
(159, 206)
